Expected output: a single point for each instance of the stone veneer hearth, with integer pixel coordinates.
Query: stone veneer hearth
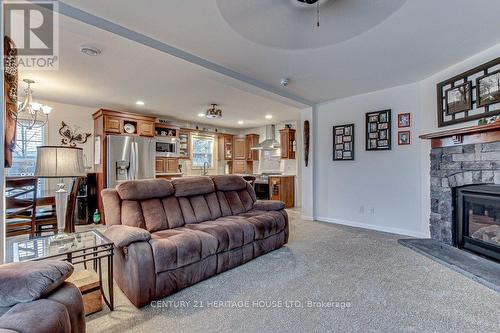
(453, 167)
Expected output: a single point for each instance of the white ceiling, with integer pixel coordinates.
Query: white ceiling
(172, 88)
(407, 44)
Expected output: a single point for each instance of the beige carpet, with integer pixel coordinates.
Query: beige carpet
(380, 286)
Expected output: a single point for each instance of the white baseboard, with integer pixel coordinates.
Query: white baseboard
(392, 230)
(307, 217)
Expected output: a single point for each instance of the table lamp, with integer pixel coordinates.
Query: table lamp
(60, 162)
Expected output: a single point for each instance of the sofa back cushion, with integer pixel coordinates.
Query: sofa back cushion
(197, 199)
(159, 204)
(235, 195)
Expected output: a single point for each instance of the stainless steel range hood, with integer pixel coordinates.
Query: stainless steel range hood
(270, 141)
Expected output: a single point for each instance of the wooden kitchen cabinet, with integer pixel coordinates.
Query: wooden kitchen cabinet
(185, 143)
(112, 124)
(240, 167)
(239, 146)
(146, 128)
(226, 147)
(287, 141)
(282, 188)
(166, 165)
(252, 140)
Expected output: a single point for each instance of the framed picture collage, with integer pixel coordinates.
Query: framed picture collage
(378, 130)
(343, 142)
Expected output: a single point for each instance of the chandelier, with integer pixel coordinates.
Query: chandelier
(213, 112)
(31, 114)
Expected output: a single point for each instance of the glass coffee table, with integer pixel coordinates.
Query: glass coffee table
(77, 248)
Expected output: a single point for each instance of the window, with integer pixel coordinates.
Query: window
(203, 151)
(24, 154)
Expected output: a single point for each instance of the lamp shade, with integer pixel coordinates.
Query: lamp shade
(59, 162)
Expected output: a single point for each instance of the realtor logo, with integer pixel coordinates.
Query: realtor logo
(33, 27)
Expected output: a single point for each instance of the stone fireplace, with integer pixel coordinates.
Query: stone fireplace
(459, 159)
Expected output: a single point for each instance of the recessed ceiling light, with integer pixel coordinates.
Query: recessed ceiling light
(268, 116)
(201, 115)
(141, 103)
(240, 122)
(90, 50)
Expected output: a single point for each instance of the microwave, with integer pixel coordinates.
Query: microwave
(167, 146)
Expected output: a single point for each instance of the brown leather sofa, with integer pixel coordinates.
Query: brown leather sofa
(169, 235)
(59, 312)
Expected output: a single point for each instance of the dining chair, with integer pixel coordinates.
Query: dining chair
(250, 179)
(20, 204)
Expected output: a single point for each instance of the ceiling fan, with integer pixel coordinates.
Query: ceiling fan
(290, 24)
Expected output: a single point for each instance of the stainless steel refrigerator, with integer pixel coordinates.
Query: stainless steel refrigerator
(129, 157)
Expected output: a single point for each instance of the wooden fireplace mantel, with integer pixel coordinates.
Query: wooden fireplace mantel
(464, 136)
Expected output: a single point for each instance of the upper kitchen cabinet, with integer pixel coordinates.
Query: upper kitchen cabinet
(287, 141)
(126, 123)
(184, 144)
(239, 147)
(226, 147)
(252, 140)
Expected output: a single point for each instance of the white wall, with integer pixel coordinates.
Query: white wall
(388, 190)
(379, 189)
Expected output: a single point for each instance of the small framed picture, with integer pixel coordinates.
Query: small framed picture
(373, 144)
(343, 142)
(404, 138)
(383, 126)
(404, 120)
(383, 143)
(383, 117)
(488, 89)
(382, 135)
(459, 98)
(373, 118)
(373, 135)
(372, 127)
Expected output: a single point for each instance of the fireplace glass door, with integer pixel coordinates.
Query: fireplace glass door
(479, 220)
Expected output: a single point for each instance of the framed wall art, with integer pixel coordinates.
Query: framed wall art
(472, 95)
(343, 142)
(404, 138)
(488, 89)
(378, 130)
(404, 120)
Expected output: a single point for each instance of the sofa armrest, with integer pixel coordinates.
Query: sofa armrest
(269, 205)
(122, 235)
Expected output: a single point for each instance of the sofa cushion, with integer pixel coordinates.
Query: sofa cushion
(145, 189)
(40, 316)
(154, 214)
(229, 233)
(174, 248)
(229, 183)
(185, 187)
(23, 282)
(266, 223)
